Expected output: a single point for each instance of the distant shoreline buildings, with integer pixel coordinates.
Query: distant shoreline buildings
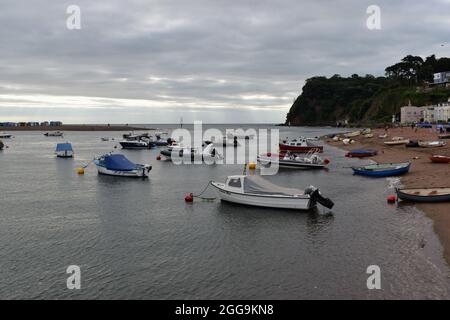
(439, 113)
(31, 124)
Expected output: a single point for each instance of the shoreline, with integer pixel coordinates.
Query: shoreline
(423, 173)
(76, 127)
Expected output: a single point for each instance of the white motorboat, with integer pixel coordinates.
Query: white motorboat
(209, 154)
(294, 161)
(119, 165)
(137, 144)
(256, 191)
(54, 134)
(5, 135)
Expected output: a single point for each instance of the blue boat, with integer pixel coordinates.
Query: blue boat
(119, 165)
(382, 169)
(64, 150)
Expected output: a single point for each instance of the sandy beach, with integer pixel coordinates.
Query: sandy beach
(423, 172)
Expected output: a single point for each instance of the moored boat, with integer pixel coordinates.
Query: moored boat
(361, 153)
(256, 191)
(119, 165)
(5, 135)
(294, 161)
(352, 134)
(382, 169)
(424, 194)
(301, 145)
(441, 136)
(136, 144)
(64, 150)
(439, 159)
(383, 136)
(431, 144)
(208, 154)
(54, 134)
(396, 142)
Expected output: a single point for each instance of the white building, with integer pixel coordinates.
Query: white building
(411, 114)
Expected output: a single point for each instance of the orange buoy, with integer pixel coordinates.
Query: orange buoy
(189, 197)
(391, 199)
(326, 161)
(158, 157)
(252, 166)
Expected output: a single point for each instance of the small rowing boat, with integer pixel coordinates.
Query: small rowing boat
(5, 135)
(439, 159)
(54, 134)
(361, 153)
(293, 161)
(256, 191)
(396, 142)
(119, 165)
(383, 136)
(424, 194)
(382, 169)
(352, 134)
(444, 136)
(431, 144)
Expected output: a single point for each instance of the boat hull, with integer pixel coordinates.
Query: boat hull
(289, 164)
(361, 153)
(141, 172)
(64, 154)
(407, 196)
(303, 202)
(300, 149)
(440, 159)
(134, 146)
(379, 174)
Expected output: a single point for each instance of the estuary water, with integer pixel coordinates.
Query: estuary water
(138, 239)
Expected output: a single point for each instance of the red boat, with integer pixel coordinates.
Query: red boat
(440, 159)
(299, 146)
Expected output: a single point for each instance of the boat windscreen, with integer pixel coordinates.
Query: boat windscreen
(119, 162)
(63, 147)
(258, 185)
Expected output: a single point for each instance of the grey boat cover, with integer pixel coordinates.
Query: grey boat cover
(258, 185)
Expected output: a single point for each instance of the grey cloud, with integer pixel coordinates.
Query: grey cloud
(230, 50)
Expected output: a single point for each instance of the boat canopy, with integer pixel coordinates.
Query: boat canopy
(118, 162)
(258, 185)
(61, 147)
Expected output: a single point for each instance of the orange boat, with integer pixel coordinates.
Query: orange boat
(440, 159)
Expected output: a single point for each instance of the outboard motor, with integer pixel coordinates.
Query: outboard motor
(317, 196)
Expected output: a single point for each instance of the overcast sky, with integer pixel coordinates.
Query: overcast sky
(145, 61)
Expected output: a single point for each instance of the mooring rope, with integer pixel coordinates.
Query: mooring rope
(203, 191)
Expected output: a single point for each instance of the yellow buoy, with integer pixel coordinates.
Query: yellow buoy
(252, 166)
(80, 170)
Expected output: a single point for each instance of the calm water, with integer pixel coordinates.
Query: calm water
(139, 239)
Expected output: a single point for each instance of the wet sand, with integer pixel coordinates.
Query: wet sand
(423, 172)
(75, 127)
